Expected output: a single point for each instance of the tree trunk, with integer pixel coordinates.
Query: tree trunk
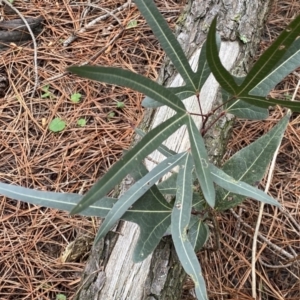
(110, 273)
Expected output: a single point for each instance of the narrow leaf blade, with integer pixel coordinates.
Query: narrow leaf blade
(179, 225)
(284, 67)
(203, 70)
(271, 56)
(166, 38)
(266, 102)
(201, 163)
(162, 149)
(181, 92)
(152, 213)
(131, 80)
(238, 187)
(224, 78)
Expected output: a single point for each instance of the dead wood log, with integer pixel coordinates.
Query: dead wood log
(15, 31)
(110, 273)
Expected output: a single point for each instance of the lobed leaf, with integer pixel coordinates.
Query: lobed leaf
(243, 109)
(136, 191)
(151, 212)
(250, 163)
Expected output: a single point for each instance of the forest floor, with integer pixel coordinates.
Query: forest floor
(33, 239)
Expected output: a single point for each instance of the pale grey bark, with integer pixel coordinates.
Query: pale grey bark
(110, 273)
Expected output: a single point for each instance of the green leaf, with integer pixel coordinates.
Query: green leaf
(81, 122)
(153, 215)
(132, 24)
(131, 80)
(62, 201)
(179, 224)
(120, 104)
(266, 102)
(47, 93)
(151, 212)
(238, 187)
(166, 39)
(121, 168)
(136, 191)
(289, 62)
(162, 149)
(247, 111)
(182, 92)
(242, 109)
(203, 70)
(75, 98)
(57, 125)
(198, 233)
(111, 115)
(168, 186)
(266, 62)
(224, 78)
(61, 297)
(250, 163)
(201, 163)
(199, 203)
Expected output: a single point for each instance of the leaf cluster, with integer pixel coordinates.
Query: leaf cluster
(145, 202)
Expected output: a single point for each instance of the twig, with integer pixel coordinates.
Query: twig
(269, 243)
(36, 79)
(261, 209)
(272, 266)
(73, 37)
(270, 175)
(93, 57)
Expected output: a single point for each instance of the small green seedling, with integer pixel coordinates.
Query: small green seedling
(75, 98)
(57, 125)
(47, 93)
(61, 297)
(81, 122)
(120, 104)
(132, 24)
(110, 115)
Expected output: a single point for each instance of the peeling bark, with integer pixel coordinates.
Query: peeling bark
(160, 276)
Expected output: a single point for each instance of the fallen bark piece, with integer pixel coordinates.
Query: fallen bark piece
(15, 31)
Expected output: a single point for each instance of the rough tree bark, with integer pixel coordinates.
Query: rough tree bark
(110, 273)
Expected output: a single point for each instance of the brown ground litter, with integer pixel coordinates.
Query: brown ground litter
(228, 271)
(32, 238)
